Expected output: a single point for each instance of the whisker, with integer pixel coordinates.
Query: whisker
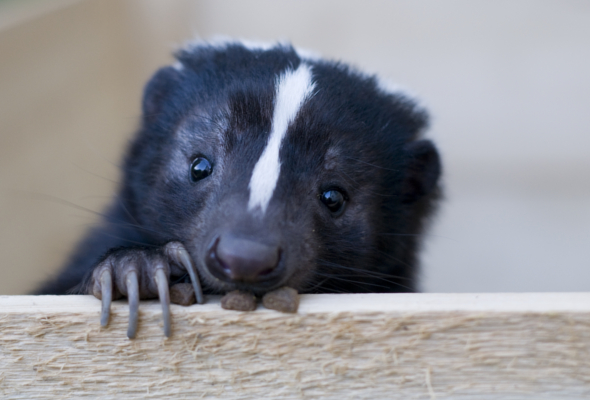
(356, 183)
(375, 274)
(95, 174)
(124, 239)
(316, 285)
(391, 257)
(105, 217)
(338, 277)
(372, 165)
(387, 278)
(412, 234)
(127, 211)
(399, 234)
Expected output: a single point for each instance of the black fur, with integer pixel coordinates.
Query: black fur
(350, 135)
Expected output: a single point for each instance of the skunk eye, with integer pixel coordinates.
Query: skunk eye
(333, 199)
(200, 169)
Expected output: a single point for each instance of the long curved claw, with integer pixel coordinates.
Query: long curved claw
(187, 262)
(106, 285)
(133, 296)
(164, 295)
(178, 253)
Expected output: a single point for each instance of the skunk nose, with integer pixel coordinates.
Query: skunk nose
(242, 259)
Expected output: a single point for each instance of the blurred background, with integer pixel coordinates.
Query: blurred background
(508, 85)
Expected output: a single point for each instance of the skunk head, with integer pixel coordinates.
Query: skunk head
(274, 169)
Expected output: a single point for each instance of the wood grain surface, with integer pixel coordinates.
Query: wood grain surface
(376, 346)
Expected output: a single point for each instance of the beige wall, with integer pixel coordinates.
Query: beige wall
(507, 83)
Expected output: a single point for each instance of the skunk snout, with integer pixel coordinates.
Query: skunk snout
(234, 259)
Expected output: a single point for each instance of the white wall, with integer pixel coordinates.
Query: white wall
(507, 84)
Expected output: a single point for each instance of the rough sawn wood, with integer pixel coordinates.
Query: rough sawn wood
(377, 346)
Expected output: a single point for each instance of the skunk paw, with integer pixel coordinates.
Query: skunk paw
(141, 273)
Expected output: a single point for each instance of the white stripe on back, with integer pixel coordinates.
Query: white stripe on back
(293, 88)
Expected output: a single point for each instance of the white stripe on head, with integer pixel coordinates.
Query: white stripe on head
(293, 88)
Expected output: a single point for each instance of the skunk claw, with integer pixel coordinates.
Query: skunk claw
(164, 295)
(192, 271)
(106, 285)
(133, 296)
(178, 253)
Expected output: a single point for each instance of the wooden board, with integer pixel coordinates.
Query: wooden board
(377, 346)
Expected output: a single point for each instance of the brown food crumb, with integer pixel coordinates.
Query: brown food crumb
(239, 301)
(183, 294)
(285, 299)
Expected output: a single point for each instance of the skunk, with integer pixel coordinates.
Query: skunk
(256, 168)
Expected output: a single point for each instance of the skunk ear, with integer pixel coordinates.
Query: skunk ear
(157, 90)
(422, 172)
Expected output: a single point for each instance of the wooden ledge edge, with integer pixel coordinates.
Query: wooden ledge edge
(320, 303)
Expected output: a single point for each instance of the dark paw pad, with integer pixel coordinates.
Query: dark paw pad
(284, 299)
(183, 294)
(239, 301)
